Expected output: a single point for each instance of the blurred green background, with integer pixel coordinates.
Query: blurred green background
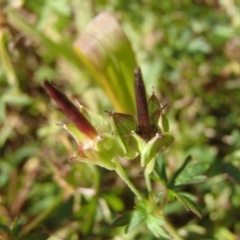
(188, 50)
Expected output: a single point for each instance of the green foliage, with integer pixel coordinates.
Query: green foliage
(187, 50)
(142, 213)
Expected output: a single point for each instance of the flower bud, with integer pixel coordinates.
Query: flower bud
(71, 111)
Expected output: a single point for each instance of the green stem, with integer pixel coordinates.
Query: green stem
(148, 183)
(6, 62)
(119, 170)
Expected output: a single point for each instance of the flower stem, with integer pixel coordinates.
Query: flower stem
(119, 170)
(148, 183)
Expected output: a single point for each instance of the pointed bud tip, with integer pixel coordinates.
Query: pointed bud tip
(71, 111)
(137, 70)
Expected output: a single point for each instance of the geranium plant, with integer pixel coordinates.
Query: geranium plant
(107, 140)
(104, 141)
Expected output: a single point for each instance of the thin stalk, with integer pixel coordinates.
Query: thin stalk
(148, 184)
(6, 62)
(119, 170)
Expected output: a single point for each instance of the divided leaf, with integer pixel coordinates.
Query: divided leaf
(232, 171)
(154, 225)
(188, 202)
(122, 220)
(191, 175)
(131, 219)
(137, 217)
(178, 172)
(188, 174)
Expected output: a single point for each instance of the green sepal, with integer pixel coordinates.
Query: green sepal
(153, 104)
(164, 123)
(109, 146)
(136, 142)
(124, 124)
(95, 119)
(90, 155)
(155, 117)
(104, 148)
(99, 151)
(150, 166)
(74, 131)
(157, 144)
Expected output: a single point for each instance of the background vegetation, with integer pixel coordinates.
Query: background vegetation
(188, 50)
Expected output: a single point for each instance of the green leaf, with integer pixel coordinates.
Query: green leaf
(27, 28)
(160, 168)
(106, 52)
(178, 172)
(4, 232)
(232, 171)
(191, 175)
(16, 227)
(158, 144)
(122, 220)
(187, 201)
(114, 201)
(154, 225)
(199, 44)
(188, 175)
(132, 219)
(6, 63)
(14, 97)
(137, 217)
